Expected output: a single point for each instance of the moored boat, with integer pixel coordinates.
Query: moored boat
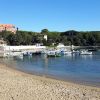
(53, 54)
(27, 54)
(65, 52)
(85, 52)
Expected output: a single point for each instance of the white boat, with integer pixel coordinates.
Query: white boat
(75, 51)
(15, 54)
(66, 52)
(85, 52)
(53, 54)
(25, 53)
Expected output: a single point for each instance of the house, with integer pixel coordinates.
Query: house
(8, 27)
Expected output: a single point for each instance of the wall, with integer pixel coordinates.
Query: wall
(18, 48)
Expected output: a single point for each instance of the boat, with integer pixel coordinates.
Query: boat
(66, 52)
(53, 54)
(27, 54)
(85, 52)
(75, 51)
(15, 54)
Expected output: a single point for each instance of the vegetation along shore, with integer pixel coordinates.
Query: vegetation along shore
(77, 38)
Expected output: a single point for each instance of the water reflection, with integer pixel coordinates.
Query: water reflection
(85, 57)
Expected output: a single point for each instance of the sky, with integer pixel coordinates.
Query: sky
(54, 15)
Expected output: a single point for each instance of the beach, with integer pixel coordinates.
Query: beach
(16, 85)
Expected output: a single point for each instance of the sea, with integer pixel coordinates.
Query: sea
(82, 69)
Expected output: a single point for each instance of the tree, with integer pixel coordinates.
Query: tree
(67, 38)
(44, 31)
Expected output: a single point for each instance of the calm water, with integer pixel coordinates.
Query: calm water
(83, 69)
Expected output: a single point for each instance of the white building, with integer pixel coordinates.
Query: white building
(45, 37)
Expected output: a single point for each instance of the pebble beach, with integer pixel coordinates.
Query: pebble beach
(16, 85)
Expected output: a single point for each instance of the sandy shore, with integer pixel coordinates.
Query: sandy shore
(15, 85)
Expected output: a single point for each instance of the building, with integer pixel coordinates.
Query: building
(45, 37)
(8, 27)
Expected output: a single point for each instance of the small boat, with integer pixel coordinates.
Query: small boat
(27, 54)
(65, 52)
(13, 55)
(85, 52)
(53, 54)
(75, 51)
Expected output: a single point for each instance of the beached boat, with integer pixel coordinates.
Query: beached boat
(85, 52)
